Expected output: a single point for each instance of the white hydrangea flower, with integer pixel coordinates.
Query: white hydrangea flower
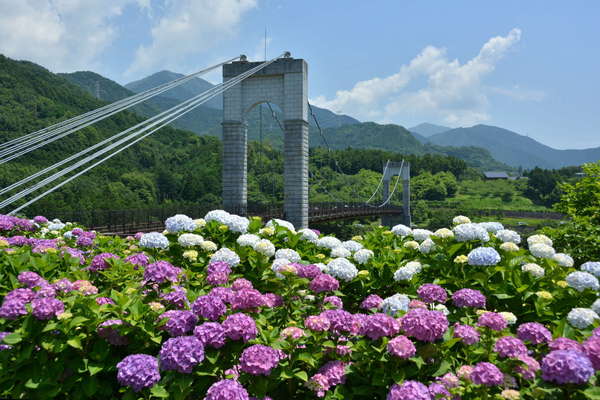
(278, 263)
(290, 254)
(582, 317)
(541, 250)
(405, 273)
(56, 226)
(442, 308)
(414, 264)
(342, 269)
(238, 224)
(421, 234)
(340, 252)
(596, 306)
(352, 245)
(427, 246)
(401, 230)
(362, 256)
(208, 246)
(533, 269)
(190, 240)
(179, 223)
(507, 235)
(491, 227)
(564, 260)
(411, 244)
(394, 304)
(308, 234)
(329, 242)
(509, 317)
(68, 235)
(509, 246)
(154, 240)
(533, 239)
(593, 267)
(265, 247)
(283, 223)
(226, 255)
(461, 219)
(220, 216)
(443, 233)
(580, 281)
(200, 223)
(469, 231)
(247, 239)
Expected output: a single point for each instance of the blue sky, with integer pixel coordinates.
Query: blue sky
(531, 67)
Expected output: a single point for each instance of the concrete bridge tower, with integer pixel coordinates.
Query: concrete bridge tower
(401, 169)
(285, 83)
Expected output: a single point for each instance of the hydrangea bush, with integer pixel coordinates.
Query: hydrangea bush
(226, 307)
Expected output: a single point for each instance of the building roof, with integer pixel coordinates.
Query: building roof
(495, 174)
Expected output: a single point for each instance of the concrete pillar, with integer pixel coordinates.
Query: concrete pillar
(235, 159)
(406, 194)
(295, 172)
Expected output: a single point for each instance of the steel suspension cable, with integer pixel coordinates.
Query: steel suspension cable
(380, 182)
(95, 116)
(223, 87)
(395, 186)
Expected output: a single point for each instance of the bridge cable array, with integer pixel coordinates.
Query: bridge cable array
(22, 145)
(156, 122)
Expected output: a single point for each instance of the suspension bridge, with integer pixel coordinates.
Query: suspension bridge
(282, 81)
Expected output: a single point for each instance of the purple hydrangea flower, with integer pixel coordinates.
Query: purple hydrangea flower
(241, 283)
(324, 283)
(224, 293)
(209, 307)
(161, 271)
(563, 343)
(424, 325)
(272, 300)
(566, 366)
(218, 273)
(485, 373)
(108, 330)
(466, 333)
(468, 298)
(259, 359)
(18, 240)
(509, 346)
(591, 348)
(85, 239)
(99, 262)
(492, 320)
(30, 279)
(44, 308)
(64, 285)
(13, 308)
(247, 299)
(334, 301)
(211, 334)
(39, 219)
(240, 326)
(409, 390)
(138, 259)
(380, 325)
(226, 389)
(75, 253)
(529, 368)
(138, 371)
(371, 301)
(179, 322)
(534, 332)
(181, 354)
(340, 320)
(317, 323)
(431, 293)
(176, 297)
(310, 271)
(439, 391)
(104, 300)
(402, 347)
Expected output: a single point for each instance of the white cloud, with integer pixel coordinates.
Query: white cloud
(188, 27)
(63, 35)
(454, 93)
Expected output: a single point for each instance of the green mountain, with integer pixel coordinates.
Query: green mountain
(514, 149)
(426, 129)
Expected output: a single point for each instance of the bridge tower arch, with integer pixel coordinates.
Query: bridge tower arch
(401, 169)
(285, 83)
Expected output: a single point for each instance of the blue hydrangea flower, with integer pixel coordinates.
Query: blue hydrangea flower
(393, 304)
(467, 232)
(180, 223)
(581, 317)
(154, 240)
(593, 267)
(405, 273)
(580, 281)
(483, 256)
(492, 227)
(342, 269)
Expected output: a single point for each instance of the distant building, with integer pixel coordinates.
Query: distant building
(496, 175)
